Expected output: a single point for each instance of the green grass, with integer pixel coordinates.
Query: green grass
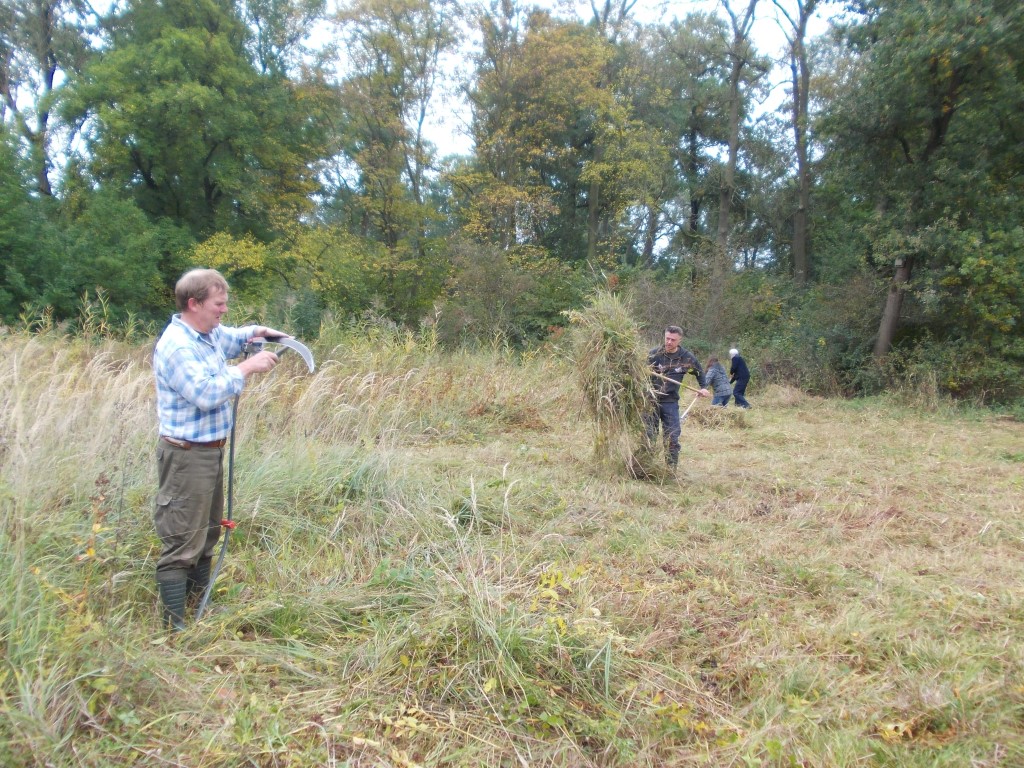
(430, 569)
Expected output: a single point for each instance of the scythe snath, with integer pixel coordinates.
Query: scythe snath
(228, 523)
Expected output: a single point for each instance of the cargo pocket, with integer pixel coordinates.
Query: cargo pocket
(171, 519)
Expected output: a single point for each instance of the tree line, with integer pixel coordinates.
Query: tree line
(869, 227)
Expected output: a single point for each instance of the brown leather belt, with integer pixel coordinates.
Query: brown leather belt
(186, 445)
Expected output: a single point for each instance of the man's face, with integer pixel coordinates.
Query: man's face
(206, 315)
(672, 341)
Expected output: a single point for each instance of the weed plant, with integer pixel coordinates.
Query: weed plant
(428, 570)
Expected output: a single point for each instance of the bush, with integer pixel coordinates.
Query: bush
(517, 295)
(818, 339)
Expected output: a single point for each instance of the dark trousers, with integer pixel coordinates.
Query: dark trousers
(666, 416)
(189, 504)
(738, 390)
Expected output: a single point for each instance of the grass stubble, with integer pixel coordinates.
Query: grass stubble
(429, 569)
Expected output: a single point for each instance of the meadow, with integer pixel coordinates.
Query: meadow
(430, 568)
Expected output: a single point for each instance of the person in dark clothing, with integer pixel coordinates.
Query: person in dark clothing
(670, 363)
(739, 376)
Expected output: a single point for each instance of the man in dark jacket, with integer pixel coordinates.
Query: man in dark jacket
(670, 364)
(739, 376)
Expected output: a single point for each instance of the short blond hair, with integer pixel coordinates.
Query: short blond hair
(197, 284)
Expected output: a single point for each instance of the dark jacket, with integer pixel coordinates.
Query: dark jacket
(674, 366)
(738, 371)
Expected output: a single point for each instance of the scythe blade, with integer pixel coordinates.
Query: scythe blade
(298, 346)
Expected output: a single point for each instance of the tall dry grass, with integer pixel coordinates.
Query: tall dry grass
(428, 570)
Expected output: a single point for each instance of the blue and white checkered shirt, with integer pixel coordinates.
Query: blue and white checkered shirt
(194, 383)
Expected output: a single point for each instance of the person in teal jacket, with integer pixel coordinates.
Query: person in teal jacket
(718, 380)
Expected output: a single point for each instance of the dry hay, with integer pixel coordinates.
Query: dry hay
(714, 417)
(615, 381)
(647, 462)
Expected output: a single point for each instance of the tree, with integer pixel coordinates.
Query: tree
(279, 30)
(800, 86)
(108, 245)
(28, 261)
(541, 98)
(394, 51)
(689, 64)
(505, 202)
(611, 17)
(930, 136)
(176, 115)
(40, 42)
(744, 71)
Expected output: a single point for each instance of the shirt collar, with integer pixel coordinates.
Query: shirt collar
(176, 319)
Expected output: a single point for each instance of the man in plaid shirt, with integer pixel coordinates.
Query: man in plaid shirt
(194, 389)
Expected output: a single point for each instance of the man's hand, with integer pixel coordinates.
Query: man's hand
(703, 393)
(270, 334)
(261, 362)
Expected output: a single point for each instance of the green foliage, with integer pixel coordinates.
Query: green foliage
(92, 242)
(29, 260)
(110, 245)
(817, 339)
(979, 290)
(963, 368)
(185, 121)
(309, 270)
(519, 297)
(923, 141)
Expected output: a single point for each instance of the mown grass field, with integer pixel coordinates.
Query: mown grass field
(429, 569)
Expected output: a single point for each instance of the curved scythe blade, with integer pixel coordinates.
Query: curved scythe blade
(298, 346)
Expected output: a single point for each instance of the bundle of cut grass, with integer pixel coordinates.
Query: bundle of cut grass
(718, 418)
(616, 384)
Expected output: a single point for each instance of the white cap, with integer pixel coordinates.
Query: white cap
(733, 352)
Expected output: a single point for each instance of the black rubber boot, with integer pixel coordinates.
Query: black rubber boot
(172, 586)
(198, 579)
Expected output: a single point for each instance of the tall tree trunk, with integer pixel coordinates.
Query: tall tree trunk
(740, 53)
(801, 82)
(593, 212)
(893, 305)
(650, 231)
